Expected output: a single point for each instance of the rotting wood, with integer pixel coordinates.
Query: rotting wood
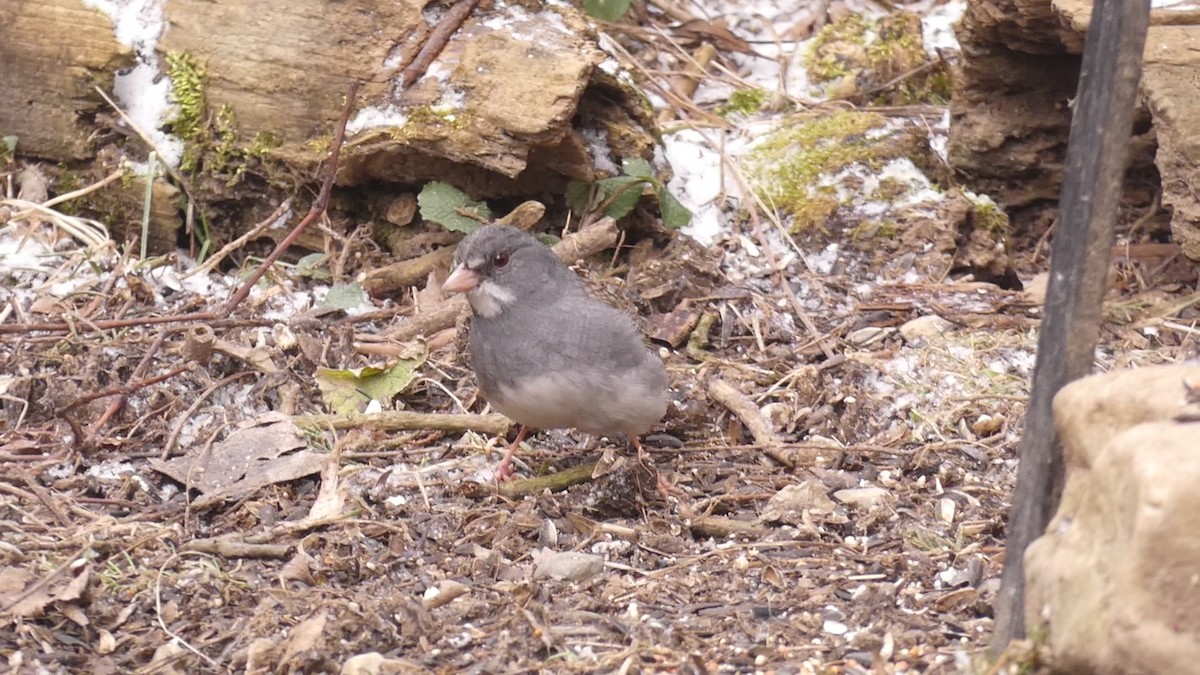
(404, 420)
(47, 72)
(317, 208)
(396, 277)
(435, 41)
(1096, 158)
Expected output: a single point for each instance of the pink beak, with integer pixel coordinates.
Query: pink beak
(461, 280)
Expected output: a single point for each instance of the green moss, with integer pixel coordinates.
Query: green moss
(833, 55)
(264, 142)
(319, 145)
(66, 180)
(873, 229)
(787, 166)
(188, 80)
(987, 215)
(211, 139)
(8, 148)
(881, 60)
(744, 102)
(940, 86)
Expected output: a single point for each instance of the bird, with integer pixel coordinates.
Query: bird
(548, 355)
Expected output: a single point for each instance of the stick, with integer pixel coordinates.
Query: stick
(403, 420)
(740, 405)
(318, 207)
(516, 489)
(1096, 155)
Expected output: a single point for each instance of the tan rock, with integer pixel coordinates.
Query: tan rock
(1113, 582)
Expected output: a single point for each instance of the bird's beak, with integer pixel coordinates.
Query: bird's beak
(461, 280)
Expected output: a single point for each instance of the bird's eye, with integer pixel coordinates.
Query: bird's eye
(500, 261)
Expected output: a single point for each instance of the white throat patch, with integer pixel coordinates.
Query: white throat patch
(488, 299)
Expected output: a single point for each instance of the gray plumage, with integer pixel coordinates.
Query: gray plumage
(545, 353)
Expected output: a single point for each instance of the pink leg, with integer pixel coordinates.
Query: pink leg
(662, 484)
(504, 469)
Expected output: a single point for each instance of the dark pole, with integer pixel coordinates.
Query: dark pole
(1096, 155)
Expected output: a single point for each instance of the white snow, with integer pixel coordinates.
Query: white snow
(142, 92)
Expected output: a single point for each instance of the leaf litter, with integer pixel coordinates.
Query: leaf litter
(848, 402)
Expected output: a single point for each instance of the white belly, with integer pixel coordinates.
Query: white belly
(595, 404)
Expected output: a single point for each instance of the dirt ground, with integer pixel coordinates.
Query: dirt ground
(842, 444)
(866, 528)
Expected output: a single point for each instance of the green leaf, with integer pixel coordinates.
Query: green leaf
(579, 196)
(441, 202)
(343, 296)
(10, 143)
(636, 166)
(674, 214)
(621, 194)
(311, 266)
(606, 10)
(347, 392)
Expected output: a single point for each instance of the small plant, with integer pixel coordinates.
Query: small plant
(616, 197)
(606, 10)
(744, 102)
(8, 147)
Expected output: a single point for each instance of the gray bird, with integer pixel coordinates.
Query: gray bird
(545, 353)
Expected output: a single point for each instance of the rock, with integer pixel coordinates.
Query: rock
(863, 497)
(791, 504)
(374, 663)
(986, 425)
(1009, 128)
(569, 566)
(864, 337)
(924, 327)
(1112, 583)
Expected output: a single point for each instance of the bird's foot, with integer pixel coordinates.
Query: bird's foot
(504, 470)
(663, 486)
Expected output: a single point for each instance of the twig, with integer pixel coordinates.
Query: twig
(178, 428)
(212, 261)
(928, 65)
(158, 611)
(318, 207)
(516, 489)
(75, 194)
(439, 318)
(127, 389)
(1175, 17)
(719, 527)
(399, 275)
(172, 171)
(229, 547)
(450, 23)
(138, 372)
(741, 406)
(404, 420)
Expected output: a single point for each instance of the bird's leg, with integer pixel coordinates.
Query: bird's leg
(662, 484)
(504, 469)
